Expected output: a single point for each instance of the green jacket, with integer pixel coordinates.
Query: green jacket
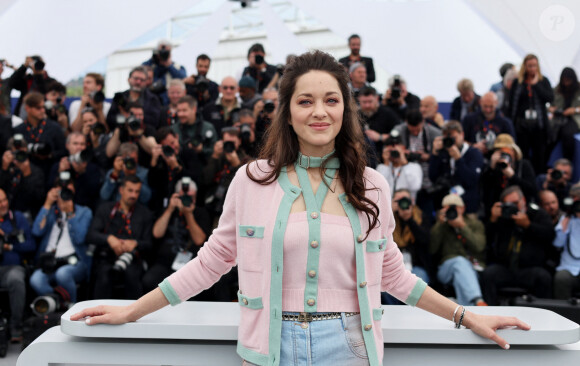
(192, 135)
(468, 241)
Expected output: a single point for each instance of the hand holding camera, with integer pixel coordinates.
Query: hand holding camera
(169, 156)
(555, 177)
(404, 208)
(51, 197)
(7, 159)
(118, 165)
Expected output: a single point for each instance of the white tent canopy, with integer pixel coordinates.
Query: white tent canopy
(432, 43)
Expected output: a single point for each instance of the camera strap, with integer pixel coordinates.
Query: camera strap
(126, 217)
(31, 130)
(395, 177)
(568, 245)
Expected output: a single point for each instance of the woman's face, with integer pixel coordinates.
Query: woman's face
(532, 67)
(316, 111)
(89, 119)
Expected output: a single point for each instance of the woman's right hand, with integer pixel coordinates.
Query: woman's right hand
(104, 314)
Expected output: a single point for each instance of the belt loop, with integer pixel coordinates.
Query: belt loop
(343, 318)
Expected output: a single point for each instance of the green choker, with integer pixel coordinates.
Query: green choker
(306, 162)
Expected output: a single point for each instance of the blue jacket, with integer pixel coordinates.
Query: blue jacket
(78, 227)
(12, 257)
(164, 74)
(110, 189)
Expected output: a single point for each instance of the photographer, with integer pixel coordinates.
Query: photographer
(137, 93)
(204, 90)
(467, 101)
(399, 99)
(15, 240)
(506, 168)
(87, 177)
(169, 163)
(26, 82)
(225, 110)
(412, 237)
(131, 128)
(168, 115)
(399, 172)
(93, 97)
(221, 168)
(519, 247)
(378, 119)
(549, 202)
(458, 243)
(164, 70)
(558, 179)
(247, 92)
(264, 111)
(121, 232)
(567, 278)
(97, 137)
(43, 136)
(258, 69)
(126, 164)
(482, 127)
(194, 133)
(358, 78)
(22, 181)
(460, 163)
(54, 105)
(247, 124)
(62, 257)
(181, 229)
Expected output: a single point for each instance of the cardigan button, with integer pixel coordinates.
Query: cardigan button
(360, 238)
(312, 273)
(368, 327)
(314, 244)
(363, 284)
(250, 232)
(311, 302)
(245, 301)
(314, 215)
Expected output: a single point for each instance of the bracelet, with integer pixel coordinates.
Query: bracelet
(458, 325)
(455, 313)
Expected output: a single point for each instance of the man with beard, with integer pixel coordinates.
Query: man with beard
(379, 120)
(354, 45)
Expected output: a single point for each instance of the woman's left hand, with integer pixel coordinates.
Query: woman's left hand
(486, 326)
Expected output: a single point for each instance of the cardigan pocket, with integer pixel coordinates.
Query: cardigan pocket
(251, 248)
(374, 246)
(250, 302)
(374, 256)
(378, 314)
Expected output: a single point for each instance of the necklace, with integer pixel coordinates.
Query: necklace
(306, 162)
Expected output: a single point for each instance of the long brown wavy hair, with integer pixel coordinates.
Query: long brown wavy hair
(281, 146)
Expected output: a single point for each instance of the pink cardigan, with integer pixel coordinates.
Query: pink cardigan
(250, 233)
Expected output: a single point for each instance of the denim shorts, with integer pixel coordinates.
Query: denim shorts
(333, 342)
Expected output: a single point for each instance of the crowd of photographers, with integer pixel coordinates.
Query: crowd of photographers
(105, 199)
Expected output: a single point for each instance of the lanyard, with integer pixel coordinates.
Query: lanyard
(31, 130)
(125, 216)
(395, 178)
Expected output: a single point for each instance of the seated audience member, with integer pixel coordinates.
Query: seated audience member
(264, 111)
(429, 110)
(199, 86)
(354, 43)
(22, 181)
(247, 125)
(168, 114)
(258, 69)
(225, 110)
(567, 278)
(17, 241)
(93, 98)
(482, 127)
(62, 258)
(519, 247)
(358, 78)
(125, 164)
(86, 175)
(506, 168)
(248, 93)
(121, 232)
(549, 202)
(181, 230)
(226, 159)
(379, 120)
(456, 166)
(194, 133)
(458, 244)
(169, 163)
(467, 101)
(164, 70)
(558, 179)
(27, 83)
(412, 237)
(399, 172)
(399, 98)
(132, 129)
(43, 136)
(137, 93)
(54, 106)
(97, 137)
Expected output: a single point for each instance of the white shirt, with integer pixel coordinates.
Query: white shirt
(409, 176)
(63, 246)
(75, 106)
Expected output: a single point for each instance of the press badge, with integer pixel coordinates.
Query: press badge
(181, 260)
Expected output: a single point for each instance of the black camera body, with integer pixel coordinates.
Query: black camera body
(405, 203)
(99, 128)
(396, 89)
(20, 156)
(556, 174)
(167, 151)
(269, 106)
(504, 160)
(97, 96)
(161, 55)
(448, 142)
(395, 154)
(120, 100)
(229, 147)
(451, 213)
(38, 63)
(130, 163)
(508, 209)
(39, 149)
(413, 157)
(259, 59)
(570, 206)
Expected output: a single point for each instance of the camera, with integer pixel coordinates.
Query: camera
(120, 100)
(508, 209)
(81, 157)
(186, 199)
(38, 63)
(46, 304)
(504, 160)
(404, 203)
(441, 186)
(556, 174)
(259, 59)
(451, 213)
(229, 147)
(130, 163)
(269, 106)
(448, 142)
(245, 131)
(123, 261)
(99, 128)
(134, 123)
(394, 138)
(571, 207)
(40, 149)
(167, 150)
(20, 156)
(97, 96)
(63, 181)
(413, 157)
(396, 89)
(161, 55)
(158, 87)
(19, 141)
(395, 154)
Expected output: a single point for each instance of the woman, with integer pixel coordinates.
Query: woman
(528, 97)
(320, 241)
(566, 110)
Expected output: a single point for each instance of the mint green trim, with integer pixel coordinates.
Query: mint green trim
(378, 314)
(256, 231)
(251, 302)
(251, 356)
(416, 293)
(275, 332)
(363, 299)
(169, 292)
(375, 246)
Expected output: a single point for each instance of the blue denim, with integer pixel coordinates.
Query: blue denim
(66, 277)
(459, 271)
(388, 299)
